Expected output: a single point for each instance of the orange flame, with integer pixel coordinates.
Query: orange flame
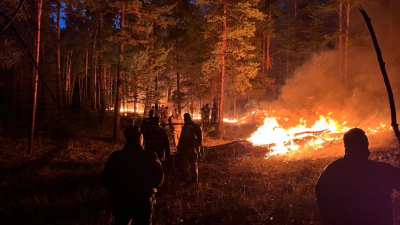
(283, 141)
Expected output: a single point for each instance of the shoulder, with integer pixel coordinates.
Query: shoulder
(150, 155)
(333, 167)
(115, 155)
(385, 167)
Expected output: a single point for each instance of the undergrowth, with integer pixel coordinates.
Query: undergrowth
(60, 183)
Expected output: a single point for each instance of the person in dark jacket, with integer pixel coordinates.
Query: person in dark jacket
(156, 139)
(355, 190)
(146, 121)
(189, 142)
(132, 175)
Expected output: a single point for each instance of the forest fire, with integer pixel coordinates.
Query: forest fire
(320, 135)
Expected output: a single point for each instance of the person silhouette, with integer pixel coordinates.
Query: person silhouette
(132, 175)
(355, 190)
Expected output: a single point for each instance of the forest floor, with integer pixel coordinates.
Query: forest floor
(60, 182)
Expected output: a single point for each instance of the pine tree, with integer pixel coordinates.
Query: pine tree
(230, 25)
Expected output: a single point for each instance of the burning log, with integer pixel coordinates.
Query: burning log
(235, 149)
(319, 132)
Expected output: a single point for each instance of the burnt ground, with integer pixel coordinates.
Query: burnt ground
(60, 183)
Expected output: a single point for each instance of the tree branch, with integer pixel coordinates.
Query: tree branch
(30, 55)
(13, 16)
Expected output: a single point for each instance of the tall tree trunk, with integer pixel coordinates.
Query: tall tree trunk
(221, 103)
(118, 94)
(135, 94)
(72, 88)
(94, 73)
(268, 55)
(391, 5)
(264, 55)
(178, 90)
(234, 107)
(294, 25)
(36, 75)
(58, 66)
(346, 51)
(170, 84)
(341, 37)
(102, 77)
(68, 81)
(85, 93)
(191, 102)
(14, 95)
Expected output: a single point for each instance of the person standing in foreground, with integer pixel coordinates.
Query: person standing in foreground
(355, 190)
(190, 140)
(132, 175)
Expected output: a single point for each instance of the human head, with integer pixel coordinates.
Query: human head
(187, 118)
(151, 112)
(175, 113)
(206, 104)
(356, 143)
(132, 134)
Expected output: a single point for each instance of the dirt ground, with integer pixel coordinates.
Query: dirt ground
(60, 182)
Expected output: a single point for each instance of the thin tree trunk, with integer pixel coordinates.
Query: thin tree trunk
(221, 103)
(14, 95)
(135, 94)
(234, 108)
(391, 5)
(67, 80)
(264, 55)
(191, 102)
(346, 51)
(85, 95)
(102, 78)
(294, 25)
(72, 88)
(36, 76)
(117, 108)
(178, 90)
(170, 84)
(58, 66)
(80, 88)
(94, 74)
(268, 55)
(341, 37)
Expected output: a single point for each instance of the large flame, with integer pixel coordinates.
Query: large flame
(283, 141)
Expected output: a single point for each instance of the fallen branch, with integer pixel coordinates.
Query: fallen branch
(312, 132)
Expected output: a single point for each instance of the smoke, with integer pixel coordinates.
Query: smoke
(318, 87)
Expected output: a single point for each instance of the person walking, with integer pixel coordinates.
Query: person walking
(133, 175)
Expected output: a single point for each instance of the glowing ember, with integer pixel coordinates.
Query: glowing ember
(230, 120)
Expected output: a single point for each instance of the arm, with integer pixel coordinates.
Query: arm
(158, 172)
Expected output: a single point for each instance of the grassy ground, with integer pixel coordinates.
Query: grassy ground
(60, 183)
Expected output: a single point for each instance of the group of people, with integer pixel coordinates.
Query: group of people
(205, 113)
(134, 173)
(352, 190)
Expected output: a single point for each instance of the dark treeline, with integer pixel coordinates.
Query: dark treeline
(104, 55)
